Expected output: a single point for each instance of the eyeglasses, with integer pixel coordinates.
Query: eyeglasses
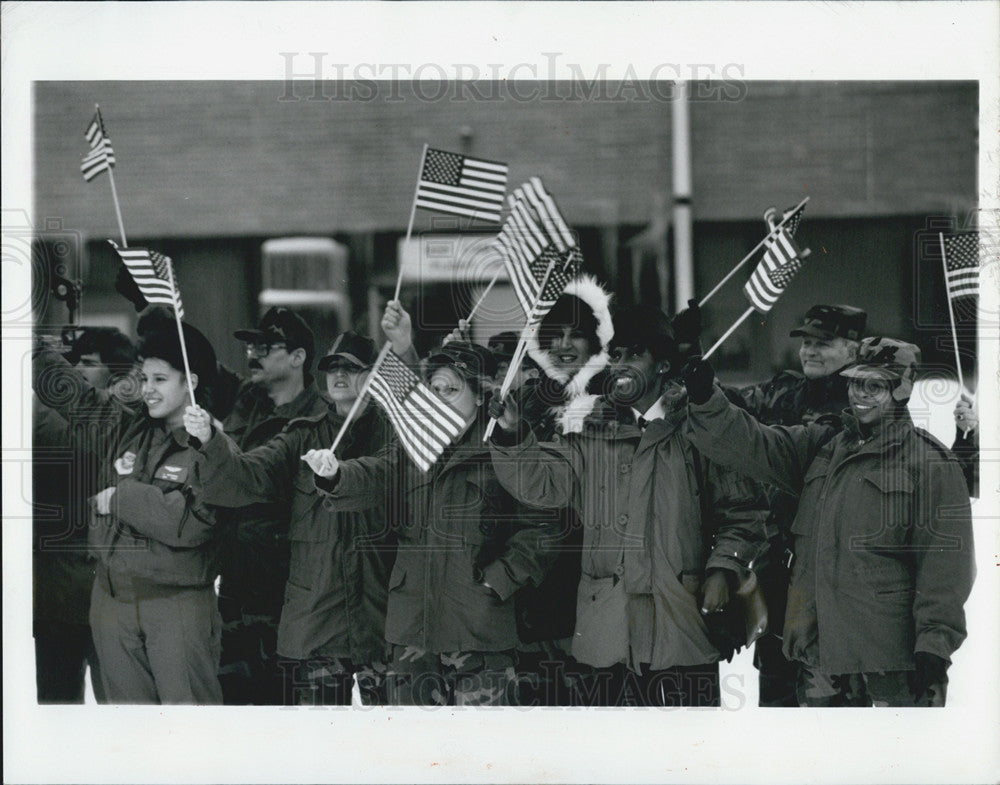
(259, 350)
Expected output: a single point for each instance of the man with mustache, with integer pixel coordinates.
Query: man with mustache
(253, 540)
(667, 536)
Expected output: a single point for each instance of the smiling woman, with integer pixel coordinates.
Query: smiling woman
(153, 612)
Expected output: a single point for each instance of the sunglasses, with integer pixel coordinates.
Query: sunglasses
(259, 350)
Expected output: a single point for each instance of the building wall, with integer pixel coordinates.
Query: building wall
(208, 170)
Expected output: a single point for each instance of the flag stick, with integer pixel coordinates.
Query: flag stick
(951, 312)
(728, 332)
(114, 194)
(361, 395)
(749, 256)
(180, 333)
(519, 352)
(413, 210)
(483, 296)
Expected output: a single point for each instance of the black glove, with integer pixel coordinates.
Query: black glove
(726, 630)
(496, 407)
(699, 379)
(687, 324)
(930, 670)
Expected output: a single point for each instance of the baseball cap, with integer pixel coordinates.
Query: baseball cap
(349, 349)
(832, 321)
(469, 359)
(280, 325)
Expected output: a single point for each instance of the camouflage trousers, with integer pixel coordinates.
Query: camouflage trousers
(416, 677)
(329, 681)
(880, 688)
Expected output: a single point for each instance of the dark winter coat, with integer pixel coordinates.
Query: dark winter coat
(159, 529)
(458, 529)
(335, 596)
(646, 544)
(882, 538)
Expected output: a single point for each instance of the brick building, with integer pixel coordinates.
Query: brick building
(209, 171)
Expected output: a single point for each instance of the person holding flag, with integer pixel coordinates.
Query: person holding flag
(667, 536)
(333, 615)
(464, 545)
(153, 613)
(882, 539)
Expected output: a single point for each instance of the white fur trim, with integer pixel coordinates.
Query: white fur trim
(580, 380)
(587, 288)
(573, 414)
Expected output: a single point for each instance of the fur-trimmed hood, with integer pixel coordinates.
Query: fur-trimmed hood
(587, 289)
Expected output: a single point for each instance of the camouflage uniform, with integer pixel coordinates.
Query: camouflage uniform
(790, 398)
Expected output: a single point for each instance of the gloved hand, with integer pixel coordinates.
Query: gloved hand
(687, 324)
(726, 631)
(930, 670)
(505, 412)
(699, 378)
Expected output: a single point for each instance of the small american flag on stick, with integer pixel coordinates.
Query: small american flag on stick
(101, 156)
(424, 422)
(961, 256)
(461, 185)
(538, 249)
(780, 263)
(153, 274)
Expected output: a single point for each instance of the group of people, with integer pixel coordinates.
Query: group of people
(598, 549)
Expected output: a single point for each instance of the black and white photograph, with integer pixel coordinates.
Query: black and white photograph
(435, 392)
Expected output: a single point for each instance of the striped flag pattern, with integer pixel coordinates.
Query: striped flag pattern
(153, 275)
(961, 259)
(101, 157)
(539, 251)
(793, 218)
(424, 423)
(780, 263)
(460, 185)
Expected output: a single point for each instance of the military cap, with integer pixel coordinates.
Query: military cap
(832, 321)
(470, 360)
(280, 325)
(889, 359)
(351, 350)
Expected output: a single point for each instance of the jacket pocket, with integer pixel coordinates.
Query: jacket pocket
(306, 522)
(885, 499)
(812, 489)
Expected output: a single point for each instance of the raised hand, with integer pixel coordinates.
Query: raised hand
(397, 327)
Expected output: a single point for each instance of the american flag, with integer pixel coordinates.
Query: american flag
(153, 275)
(961, 259)
(793, 217)
(537, 248)
(101, 156)
(460, 185)
(781, 261)
(425, 423)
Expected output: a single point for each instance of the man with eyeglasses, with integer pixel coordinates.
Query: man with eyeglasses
(253, 540)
